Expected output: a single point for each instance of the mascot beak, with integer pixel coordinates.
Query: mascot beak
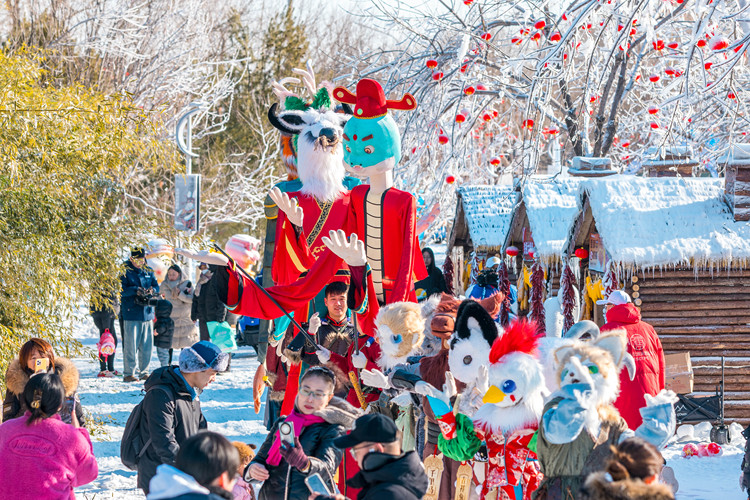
(493, 395)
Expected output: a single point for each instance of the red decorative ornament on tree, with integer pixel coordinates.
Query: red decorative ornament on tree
(555, 37)
(437, 76)
(654, 77)
(469, 90)
(495, 161)
(512, 251)
(654, 125)
(652, 110)
(529, 124)
(540, 24)
(673, 45)
(486, 36)
(431, 63)
(450, 179)
(460, 118)
(443, 139)
(718, 42)
(582, 253)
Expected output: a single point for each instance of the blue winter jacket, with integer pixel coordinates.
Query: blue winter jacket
(132, 280)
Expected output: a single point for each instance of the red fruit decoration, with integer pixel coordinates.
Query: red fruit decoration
(654, 125)
(536, 37)
(450, 179)
(487, 116)
(582, 253)
(516, 41)
(718, 42)
(431, 63)
(564, 17)
(673, 45)
(468, 2)
(448, 273)
(443, 139)
(512, 251)
(495, 161)
(540, 24)
(464, 68)
(536, 303)
(529, 124)
(701, 43)
(553, 131)
(654, 78)
(480, 86)
(708, 65)
(731, 95)
(626, 144)
(652, 110)
(567, 283)
(658, 44)
(555, 37)
(437, 76)
(486, 36)
(469, 90)
(669, 70)
(460, 118)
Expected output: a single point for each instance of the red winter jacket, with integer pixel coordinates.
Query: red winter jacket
(644, 345)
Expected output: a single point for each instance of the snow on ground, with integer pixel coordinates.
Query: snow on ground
(227, 405)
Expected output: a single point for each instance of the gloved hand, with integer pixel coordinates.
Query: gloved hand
(294, 455)
(481, 388)
(582, 393)
(324, 355)
(440, 402)
(359, 360)
(314, 324)
(375, 378)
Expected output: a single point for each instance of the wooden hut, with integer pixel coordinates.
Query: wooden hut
(670, 162)
(541, 221)
(683, 257)
(480, 225)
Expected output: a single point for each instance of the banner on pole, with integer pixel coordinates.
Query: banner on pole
(187, 197)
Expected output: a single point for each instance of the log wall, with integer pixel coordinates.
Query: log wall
(709, 317)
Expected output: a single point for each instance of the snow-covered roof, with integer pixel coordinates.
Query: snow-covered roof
(487, 210)
(649, 222)
(551, 207)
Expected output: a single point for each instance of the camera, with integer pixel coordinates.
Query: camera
(488, 277)
(145, 297)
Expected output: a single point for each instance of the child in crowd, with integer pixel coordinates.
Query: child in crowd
(243, 490)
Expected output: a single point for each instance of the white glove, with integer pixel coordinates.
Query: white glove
(437, 396)
(287, 205)
(375, 378)
(351, 250)
(359, 360)
(324, 355)
(314, 324)
(203, 256)
(483, 385)
(403, 399)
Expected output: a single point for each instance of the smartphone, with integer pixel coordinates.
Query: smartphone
(66, 412)
(316, 485)
(286, 432)
(41, 365)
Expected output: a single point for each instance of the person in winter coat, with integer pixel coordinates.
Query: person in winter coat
(632, 473)
(171, 409)
(179, 291)
(318, 419)
(138, 286)
(434, 282)
(104, 318)
(242, 489)
(163, 331)
(21, 369)
(645, 347)
(209, 307)
(205, 469)
(386, 473)
(40, 455)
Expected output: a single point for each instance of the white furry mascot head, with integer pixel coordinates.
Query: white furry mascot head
(400, 332)
(470, 346)
(515, 395)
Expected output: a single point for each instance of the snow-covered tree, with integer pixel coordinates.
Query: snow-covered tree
(512, 86)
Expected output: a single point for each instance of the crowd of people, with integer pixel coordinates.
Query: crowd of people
(331, 435)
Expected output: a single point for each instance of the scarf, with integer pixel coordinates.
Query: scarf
(300, 421)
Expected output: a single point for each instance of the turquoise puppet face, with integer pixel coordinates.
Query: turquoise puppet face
(371, 143)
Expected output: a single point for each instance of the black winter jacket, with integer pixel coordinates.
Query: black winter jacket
(169, 419)
(385, 477)
(285, 483)
(210, 307)
(164, 326)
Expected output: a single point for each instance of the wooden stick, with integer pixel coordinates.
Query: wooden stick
(358, 390)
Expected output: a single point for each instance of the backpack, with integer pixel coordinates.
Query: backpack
(132, 446)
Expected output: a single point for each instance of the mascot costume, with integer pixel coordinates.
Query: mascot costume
(579, 423)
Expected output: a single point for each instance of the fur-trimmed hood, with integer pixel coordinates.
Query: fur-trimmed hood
(16, 377)
(599, 487)
(340, 412)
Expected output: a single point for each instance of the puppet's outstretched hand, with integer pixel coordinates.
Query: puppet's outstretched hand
(289, 206)
(352, 250)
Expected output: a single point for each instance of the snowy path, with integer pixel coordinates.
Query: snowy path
(228, 409)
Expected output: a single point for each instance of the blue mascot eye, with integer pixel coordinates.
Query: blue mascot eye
(593, 369)
(508, 386)
(397, 339)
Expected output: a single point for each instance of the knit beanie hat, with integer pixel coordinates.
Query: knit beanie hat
(203, 356)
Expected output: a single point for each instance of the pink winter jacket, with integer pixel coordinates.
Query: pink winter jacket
(45, 460)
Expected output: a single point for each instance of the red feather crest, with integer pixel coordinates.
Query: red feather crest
(520, 336)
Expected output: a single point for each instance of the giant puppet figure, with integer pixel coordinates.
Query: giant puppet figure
(380, 219)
